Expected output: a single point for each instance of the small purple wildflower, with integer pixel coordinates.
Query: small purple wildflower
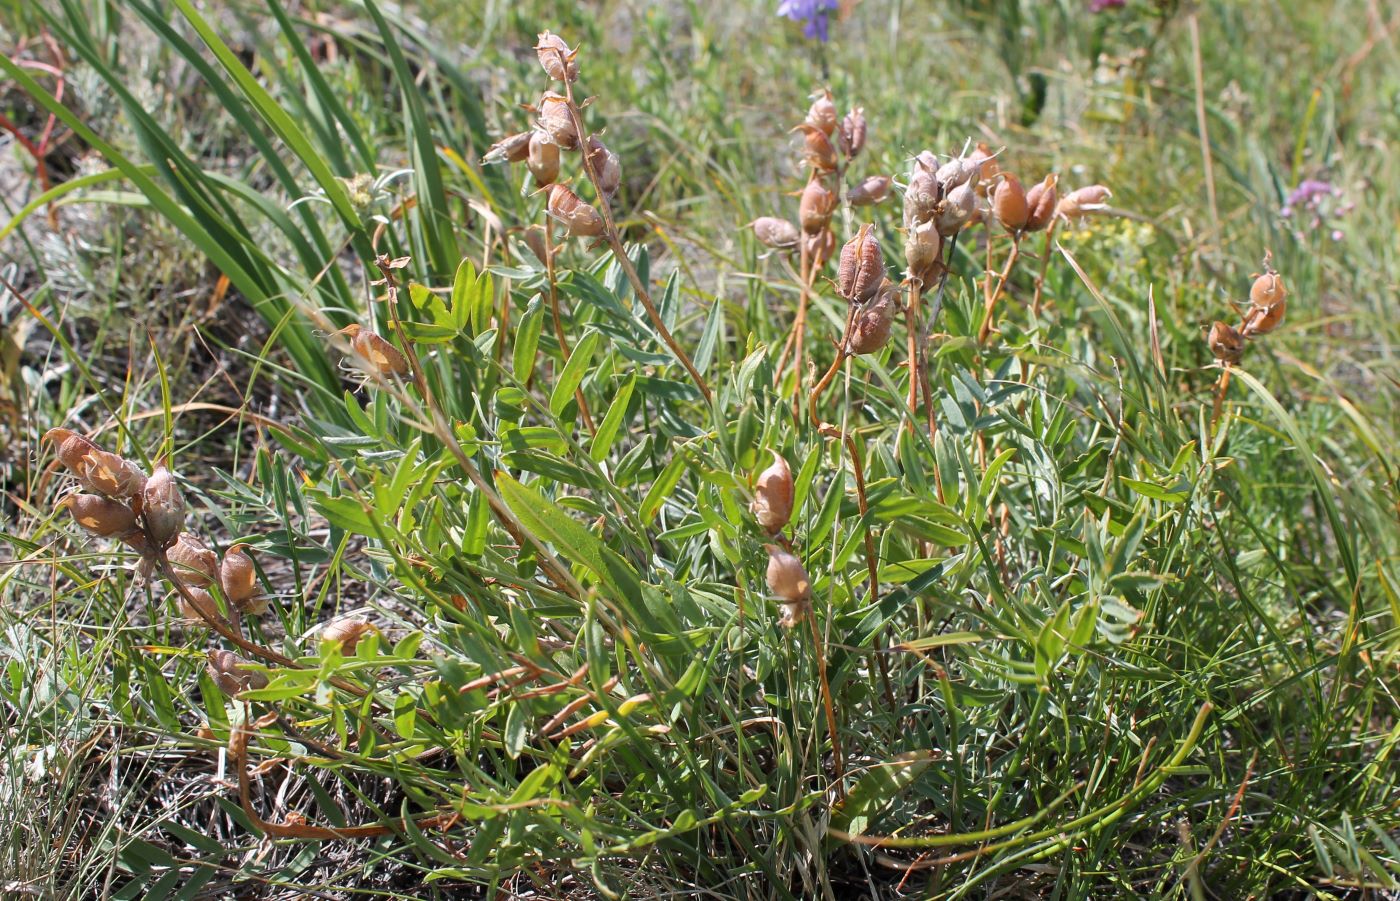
(1320, 202)
(816, 13)
(1098, 6)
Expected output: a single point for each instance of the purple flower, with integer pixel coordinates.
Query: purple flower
(1316, 204)
(1098, 6)
(816, 13)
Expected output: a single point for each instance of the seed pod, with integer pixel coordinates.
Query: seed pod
(870, 191)
(377, 355)
(194, 564)
(581, 219)
(927, 161)
(957, 209)
(542, 156)
(193, 602)
(238, 577)
(511, 149)
(557, 119)
(1009, 203)
(816, 206)
(822, 113)
(820, 247)
(233, 674)
(534, 239)
(114, 476)
(788, 582)
(923, 253)
(101, 516)
(921, 198)
(986, 161)
(556, 58)
(870, 330)
(817, 149)
(851, 133)
(1267, 290)
(771, 231)
(1262, 320)
(69, 447)
(1225, 343)
(348, 632)
(1041, 201)
(163, 507)
(958, 171)
(1082, 201)
(862, 266)
(772, 496)
(605, 165)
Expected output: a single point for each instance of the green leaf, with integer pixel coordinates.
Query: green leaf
(574, 371)
(617, 411)
(877, 789)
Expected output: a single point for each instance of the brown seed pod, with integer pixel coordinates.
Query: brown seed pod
(534, 239)
(820, 247)
(1041, 201)
(605, 165)
(1009, 203)
(233, 674)
(542, 156)
(788, 582)
(817, 149)
(772, 496)
(556, 58)
(779, 234)
(822, 113)
(238, 577)
(1267, 290)
(862, 266)
(957, 209)
(923, 253)
(851, 133)
(1082, 201)
(1225, 343)
(194, 601)
(1262, 320)
(194, 564)
(377, 356)
(69, 446)
(348, 632)
(816, 206)
(557, 120)
(163, 507)
(581, 219)
(870, 330)
(98, 470)
(510, 149)
(871, 191)
(986, 162)
(921, 197)
(101, 516)
(958, 171)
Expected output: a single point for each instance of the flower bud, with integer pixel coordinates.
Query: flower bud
(1009, 203)
(771, 231)
(510, 149)
(788, 582)
(163, 507)
(581, 219)
(1041, 201)
(870, 191)
(605, 166)
(195, 565)
(1225, 343)
(1267, 290)
(816, 206)
(957, 209)
(870, 330)
(817, 149)
(1083, 201)
(377, 356)
(347, 632)
(233, 674)
(101, 516)
(822, 113)
(923, 253)
(556, 58)
(772, 496)
(820, 247)
(542, 156)
(862, 267)
(556, 118)
(851, 134)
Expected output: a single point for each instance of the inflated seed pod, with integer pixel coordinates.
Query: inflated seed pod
(69, 446)
(923, 252)
(1009, 203)
(1267, 290)
(772, 496)
(1262, 320)
(542, 156)
(986, 161)
(816, 206)
(1041, 202)
(99, 515)
(957, 209)
(1082, 201)
(557, 120)
(817, 149)
(1225, 343)
(100, 471)
(233, 674)
(376, 355)
(238, 577)
(581, 219)
(820, 246)
(347, 631)
(921, 197)
(779, 234)
(510, 149)
(870, 330)
(194, 564)
(822, 113)
(556, 58)
(788, 582)
(534, 239)
(192, 602)
(851, 133)
(163, 507)
(862, 266)
(870, 191)
(606, 165)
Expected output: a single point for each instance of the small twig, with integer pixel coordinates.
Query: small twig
(1220, 388)
(994, 293)
(1044, 266)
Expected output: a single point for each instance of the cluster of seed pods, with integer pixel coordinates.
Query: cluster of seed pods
(554, 132)
(772, 507)
(1268, 301)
